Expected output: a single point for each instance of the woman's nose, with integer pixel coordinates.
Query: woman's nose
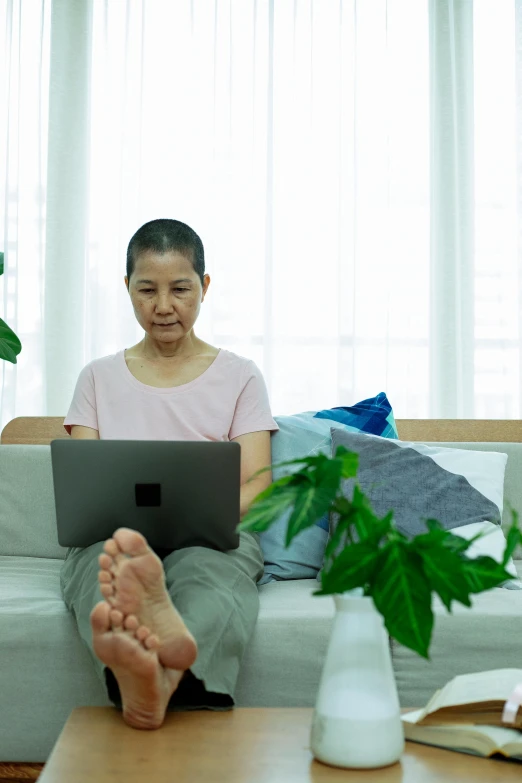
(163, 302)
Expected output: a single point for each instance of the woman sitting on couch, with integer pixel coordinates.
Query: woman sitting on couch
(172, 625)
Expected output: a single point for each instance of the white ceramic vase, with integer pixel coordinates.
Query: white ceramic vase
(356, 721)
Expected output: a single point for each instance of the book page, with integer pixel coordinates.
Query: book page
(412, 717)
(494, 685)
(461, 735)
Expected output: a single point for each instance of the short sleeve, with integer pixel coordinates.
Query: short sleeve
(252, 412)
(83, 406)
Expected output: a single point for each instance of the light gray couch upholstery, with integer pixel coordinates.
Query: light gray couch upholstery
(45, 670)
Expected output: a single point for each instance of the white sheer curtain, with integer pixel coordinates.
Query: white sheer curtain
(351, 168)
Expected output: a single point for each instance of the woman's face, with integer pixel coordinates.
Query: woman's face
(165, 289)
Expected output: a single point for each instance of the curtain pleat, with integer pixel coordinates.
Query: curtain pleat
(451, 209)
(518, 196)
(67, 214)
(24, 80)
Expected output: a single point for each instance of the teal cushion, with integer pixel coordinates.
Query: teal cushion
(301, 435)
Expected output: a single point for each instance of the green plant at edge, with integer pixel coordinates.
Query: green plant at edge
(401, 575)
(10, 345)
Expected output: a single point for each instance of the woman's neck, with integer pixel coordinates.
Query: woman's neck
(181, 349)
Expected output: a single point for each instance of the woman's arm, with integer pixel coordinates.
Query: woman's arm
(255, 454)
(85, 433)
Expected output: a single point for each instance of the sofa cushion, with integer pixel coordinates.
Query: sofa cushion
(281, 667)
(46, 670)
(27, 510)
(303, 435)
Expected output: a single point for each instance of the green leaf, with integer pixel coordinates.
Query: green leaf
(443, 568)
(366, 521)
(341, 529)
(349, 461)
(1, 263)
(276, 487)
(356, 514)
(458, 544)
(383, 527)
(353, 567)
(10, 345)
(262, 514)
(483, 573)
(314, 500)
(448, 540)
(402, 594)
(307, 461)
(342, 506)
(327, 474)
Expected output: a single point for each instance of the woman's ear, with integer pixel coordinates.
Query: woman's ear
(206, 283)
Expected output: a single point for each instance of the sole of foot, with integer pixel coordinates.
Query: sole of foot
(132, 581)
(145, 685)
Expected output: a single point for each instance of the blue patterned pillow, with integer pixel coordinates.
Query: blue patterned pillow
(302, 435)
(373, 416)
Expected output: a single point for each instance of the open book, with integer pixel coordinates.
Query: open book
(474, 698)
(467, 738)
(466, 715)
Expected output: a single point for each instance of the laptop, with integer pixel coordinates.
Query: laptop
(176, 493)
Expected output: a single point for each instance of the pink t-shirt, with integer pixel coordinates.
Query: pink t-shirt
(227, 400)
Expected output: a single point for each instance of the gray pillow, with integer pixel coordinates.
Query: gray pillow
(463, 490)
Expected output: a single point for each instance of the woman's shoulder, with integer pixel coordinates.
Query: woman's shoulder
(102, 363)
(237, 359)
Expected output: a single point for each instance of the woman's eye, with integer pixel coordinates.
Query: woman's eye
(148, 290)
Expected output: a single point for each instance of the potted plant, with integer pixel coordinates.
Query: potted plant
(379, 579)
(10, 345)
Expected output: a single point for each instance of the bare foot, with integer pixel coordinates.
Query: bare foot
(132, 580)
(145, 686)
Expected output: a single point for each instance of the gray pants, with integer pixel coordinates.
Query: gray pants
(215, 594)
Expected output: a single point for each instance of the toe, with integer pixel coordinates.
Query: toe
(107, 590)
(116, 618)
(151, 642)
(111, 547)
(142, 632)
(105, 576)
(131, 542)
(100, 617)
(106, 561)
(131, 622)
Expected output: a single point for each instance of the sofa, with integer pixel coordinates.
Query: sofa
(46, 671)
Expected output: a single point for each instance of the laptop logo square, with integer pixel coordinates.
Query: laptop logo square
(148, 494)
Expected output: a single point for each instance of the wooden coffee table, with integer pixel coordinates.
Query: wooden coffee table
(245, 745)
